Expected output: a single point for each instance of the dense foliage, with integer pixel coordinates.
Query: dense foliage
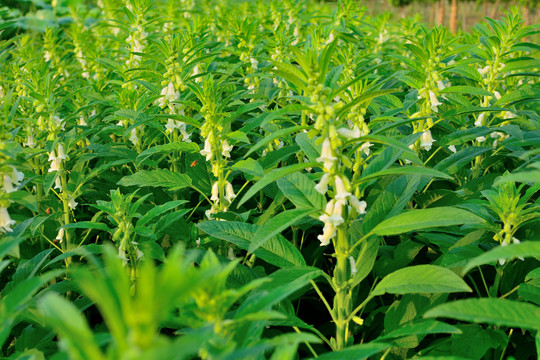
(266, 179)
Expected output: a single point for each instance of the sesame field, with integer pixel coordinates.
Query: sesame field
(279, 179)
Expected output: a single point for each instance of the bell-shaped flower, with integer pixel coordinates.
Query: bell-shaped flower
(353, 133)
(72, 203)
(133, 137)
(327, 157)
(229, 192)
(426, 141)
(435, 103)
(58, 183)
(226, 149)
(365, 148)
(329, 232)
(327, 211)
(56, 162)
(353, 266)
(322, 186)
(30, 142)
(480, 120)
(5, 220)
(340, 189)
(207, 151)
(336, 217)
(215, 193)
(359, 206)
(452, 148)
(60, 236)
(483, 71)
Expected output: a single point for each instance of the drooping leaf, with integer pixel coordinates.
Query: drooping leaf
(499, 312)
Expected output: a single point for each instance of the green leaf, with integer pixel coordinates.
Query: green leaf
(466, 90)
(158, 210)
(276, 225)
(157, 178)
(300, 190)
(167, 148)
(527, 176)
(421, 279)
(273, 136)
(273, 176)
(68, 321)
(405, 170)
(498, 312)
(456, 161)
(426, 218)
(238, 136)
(512, 251)
(421, 328)
(355, 352)
(276, 251)
(87, 225)
(250, 166)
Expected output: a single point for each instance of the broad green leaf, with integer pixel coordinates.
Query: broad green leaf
(276, 251)
(526, 176)
(273, 136)
(300, 190)
(355, 352)
(157, 178)
(167, 149)
(273, 176)
(308, 146)
(421, 279)
(466, 90)
(421, 328)
(498, 312)
(276, 225)
(456, 161)
(159, 210)
(512, 251)
(426, 218)
(249, 166)
(405, 170)
(87, 225)
(392, 200)
(68, 321)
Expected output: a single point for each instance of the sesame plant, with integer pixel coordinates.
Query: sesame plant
(266, 180)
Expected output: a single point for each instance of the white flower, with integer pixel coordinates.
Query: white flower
(60, 236)
(56, 162)
(497, 95)
(336, 216)
(229, 192)
(5, 220)
(210, 212)
(359, 206)
(340, 190)
(61, 153)
(452, 148)
(426, 141)
(329, 232)
(254, 63)
(82, 122)
(515, 241)
(350, 133)
(30, 142)
(509, 115)
(481, 139)
(441, 85)
(322, 186)
(226, 148)
(58, 183)
(327, 211)
(365, 147)
(133, 137)
(47, 56)
(171, 95)
(434, 101)
(72, 203)
(353, 266)
(59, 122)
(326, 155)
(215, 193)
(480, 120)
(483, 71)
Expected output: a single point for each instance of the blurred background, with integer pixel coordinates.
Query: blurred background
(455, 14)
